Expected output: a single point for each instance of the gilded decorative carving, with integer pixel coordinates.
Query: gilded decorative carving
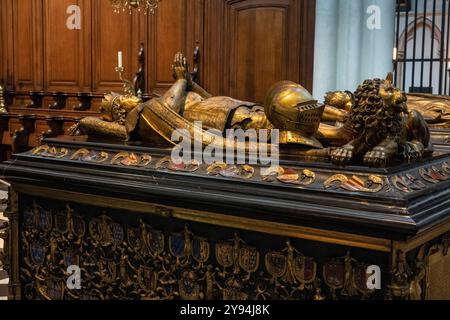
(3, 235)
(131, 159)
(167, 163)
(446, 167)
(374, 184)
(434, 174)
(10, 252)
(292, 273)
(128, 263)
(409, 279)
(227, 171)
(3, 109)
(407, 183)
(348, 276)
(401, 274)
(139, 262)
(288, 176)
(50, 152)
(90, 156)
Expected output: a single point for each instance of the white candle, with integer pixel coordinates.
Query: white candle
(394, 54)
(120, 59)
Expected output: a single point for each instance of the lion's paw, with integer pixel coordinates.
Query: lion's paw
(376, 158)
(342, 156)
(412, 151)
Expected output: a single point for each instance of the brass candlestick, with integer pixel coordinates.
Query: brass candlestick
(2, 101)
(128, 87)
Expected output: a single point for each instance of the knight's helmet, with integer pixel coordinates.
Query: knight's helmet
(294, 111)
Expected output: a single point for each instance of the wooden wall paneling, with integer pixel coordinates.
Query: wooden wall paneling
(2, 43)
(307, 36)
(175, 27)
(213, 58)
(113, 32)
(28, 39)
(251, 44)
(195, 36)
(257, 46)
(67, 63)
(8, 45)
(143, 26)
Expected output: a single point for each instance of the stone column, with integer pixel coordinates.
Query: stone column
(354, 42)
(378, 44)
(325, 47)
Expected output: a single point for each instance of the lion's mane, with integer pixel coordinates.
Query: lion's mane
(371, 118)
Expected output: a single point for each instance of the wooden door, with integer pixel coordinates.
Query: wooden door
(67, 47)
(113, 32)
(175, 27)
(251, 44)
(28, 49)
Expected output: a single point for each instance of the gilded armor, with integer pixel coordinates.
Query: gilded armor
(293, 110)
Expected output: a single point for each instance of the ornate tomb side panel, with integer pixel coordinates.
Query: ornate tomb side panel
(28, 53)
(134, 256)
(67, 46)
(253, 44)
(437, 281)
(10, 257)
(422, 273)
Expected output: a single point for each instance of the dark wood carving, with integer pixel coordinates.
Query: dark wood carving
(251, 44)
(36, 99)
(22, 136)
(139, 78)
(56, 127)
(60, 99)
(196, 71)
(84, 99)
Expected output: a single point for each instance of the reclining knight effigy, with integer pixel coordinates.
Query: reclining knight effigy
(375, 125)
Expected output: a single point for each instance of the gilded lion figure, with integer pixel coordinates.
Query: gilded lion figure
(380, 128)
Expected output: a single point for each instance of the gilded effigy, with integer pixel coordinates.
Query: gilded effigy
(377, 126)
